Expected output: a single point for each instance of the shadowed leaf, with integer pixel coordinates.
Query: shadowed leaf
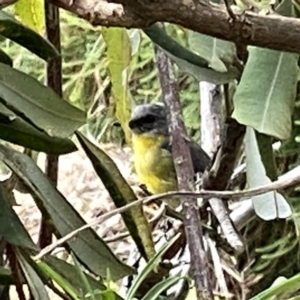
(11, 228)
(87, 246)
(38, 104)
(16, 130)
(15, 31)
(33, 279)
(122, 194)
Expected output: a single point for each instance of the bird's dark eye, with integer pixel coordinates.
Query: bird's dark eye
(148, 119)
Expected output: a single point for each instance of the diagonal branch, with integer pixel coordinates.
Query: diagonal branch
(249, 28)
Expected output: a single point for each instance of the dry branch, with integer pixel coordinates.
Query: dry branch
(185, 177)
(249, 28)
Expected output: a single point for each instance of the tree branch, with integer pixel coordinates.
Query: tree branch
(249, 28)
(185, 177)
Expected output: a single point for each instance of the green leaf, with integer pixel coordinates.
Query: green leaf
(163, 40)
(220, 54)
(35, 283)
(161, 287)
(11, 228)
(119, 55)
(38, 104)
(67, 277)
(87, 246)
(151, 265)
(271, 205)
(265, 96)
(16, 130)
(280, 288)
(202, 74)
(122, 194)
(31, 13)
(15, 31)
(5, 58)
(5, 276)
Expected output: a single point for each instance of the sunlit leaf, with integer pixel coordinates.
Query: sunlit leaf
(87, 246)
(15, 31)
(31, 14)
(271, 205)
(119, 55)
(122, 194)
(11, 228)
(39, 104)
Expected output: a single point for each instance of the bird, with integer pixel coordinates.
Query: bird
(152, 154)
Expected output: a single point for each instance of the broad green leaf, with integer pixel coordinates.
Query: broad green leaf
(39, 104)
(122, 194)
(87, 246)
(151, 265)
(31, 14)
(15, 31)
(119, 55)
(161, 287)
(265, 96)
(280, 288)
(5, 58)
(66, 276)
(33, 279)
(11, 228)
(220, 54)
(18, 131)
(271, 205)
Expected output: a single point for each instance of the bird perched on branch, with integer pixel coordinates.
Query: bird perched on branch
(152, 149)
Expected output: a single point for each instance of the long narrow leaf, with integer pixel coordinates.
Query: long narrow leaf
(24, 36)
(87, 246)
(121, 193)
(38, 104)
(11, 228)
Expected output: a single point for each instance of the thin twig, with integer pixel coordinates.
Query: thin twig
(291, 178)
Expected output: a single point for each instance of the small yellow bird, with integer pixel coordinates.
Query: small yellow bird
(152, 149)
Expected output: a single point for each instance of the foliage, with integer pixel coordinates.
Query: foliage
(106, 71)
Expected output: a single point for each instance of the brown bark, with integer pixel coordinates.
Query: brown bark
(249, 28)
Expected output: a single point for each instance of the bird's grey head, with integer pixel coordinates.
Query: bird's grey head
(149, 118)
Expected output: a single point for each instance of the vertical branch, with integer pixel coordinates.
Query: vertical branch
(54, 80)
(185, 177)
(211, 136)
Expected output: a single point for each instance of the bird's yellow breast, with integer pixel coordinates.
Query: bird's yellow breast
(154, 165)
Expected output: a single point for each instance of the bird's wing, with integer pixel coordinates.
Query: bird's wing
(200, 159)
